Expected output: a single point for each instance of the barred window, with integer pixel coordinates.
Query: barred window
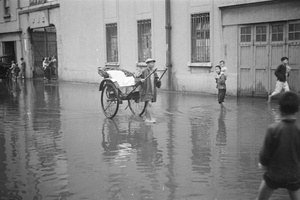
(112, 42)
(261, 33)
(200, 37)
(246, 34)
(294, 31)
(144, 40)
(277, 33)
(36, 2)
(6, 7)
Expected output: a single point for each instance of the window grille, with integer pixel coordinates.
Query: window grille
(144, 40)
(277, 33)
(294, 31)
(200, 30)
(261, 33)
(36, 2)
(246, 34)
(6, 7)
(112, 42)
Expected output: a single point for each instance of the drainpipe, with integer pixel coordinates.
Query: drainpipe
(168, 42)
(46, 42)
(20, 29)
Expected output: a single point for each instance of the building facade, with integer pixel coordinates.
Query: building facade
(187, 37)
(29, 30)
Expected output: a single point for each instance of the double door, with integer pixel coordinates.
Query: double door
(261, 47)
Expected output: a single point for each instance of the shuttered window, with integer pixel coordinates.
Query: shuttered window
(144, 40)
(200, 30)
(112, 42)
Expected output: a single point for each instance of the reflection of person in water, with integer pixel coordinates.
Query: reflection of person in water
(147, 144)
(148, 156)
(110, 134)
(221, 137)
(221, 132)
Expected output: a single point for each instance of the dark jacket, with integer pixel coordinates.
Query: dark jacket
(221, 82)
(281, 151)
(280, 73)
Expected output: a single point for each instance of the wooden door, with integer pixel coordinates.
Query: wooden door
(293, 52)
(277, 50)
(261, 48)
(245, 75)
(261, 69)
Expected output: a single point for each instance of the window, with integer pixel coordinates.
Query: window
(277, 33)
(6, 7)
(200, 38)
(144, 40)
(246, 34)
(112, 42)
(261, 33)
(294, 31)
(36, 2)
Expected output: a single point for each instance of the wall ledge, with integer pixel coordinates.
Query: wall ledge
(200, 65)
(112, 64)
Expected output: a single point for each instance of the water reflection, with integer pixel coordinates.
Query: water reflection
(171, 184)
(34, 161)
(56, 144)
(221, 138)
(3, 165)
(122, 146)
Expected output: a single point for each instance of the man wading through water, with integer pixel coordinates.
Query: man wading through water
(148, 88)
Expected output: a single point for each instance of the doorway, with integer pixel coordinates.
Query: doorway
(44, 44)
(8, 48)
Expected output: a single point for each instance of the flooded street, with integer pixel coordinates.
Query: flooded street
(55, 143)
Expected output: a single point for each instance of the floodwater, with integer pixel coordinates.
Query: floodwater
(55, 143)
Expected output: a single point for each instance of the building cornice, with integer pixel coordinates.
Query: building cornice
(45, 6)
(243, 4)
(11, 32)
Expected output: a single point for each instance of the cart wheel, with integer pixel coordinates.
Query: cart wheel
(136, 106)
(109, 100)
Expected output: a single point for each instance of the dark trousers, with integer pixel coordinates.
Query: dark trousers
(221, 95)
(47, 73)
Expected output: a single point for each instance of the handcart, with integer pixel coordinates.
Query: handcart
(117, 86)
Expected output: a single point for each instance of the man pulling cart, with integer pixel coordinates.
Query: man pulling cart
(118, 81)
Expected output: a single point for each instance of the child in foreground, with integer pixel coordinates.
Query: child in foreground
(280, 154)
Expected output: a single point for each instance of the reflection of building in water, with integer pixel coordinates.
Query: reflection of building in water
(3, 161)
(147, 153)
(201, 147)
(149, 159)
(117, 151)
(32, 142)
(114, 138)
(274, 111)
(124, 143)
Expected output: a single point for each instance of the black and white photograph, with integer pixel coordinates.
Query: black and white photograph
(149, 99)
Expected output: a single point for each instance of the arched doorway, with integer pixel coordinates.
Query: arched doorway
(44, 44)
